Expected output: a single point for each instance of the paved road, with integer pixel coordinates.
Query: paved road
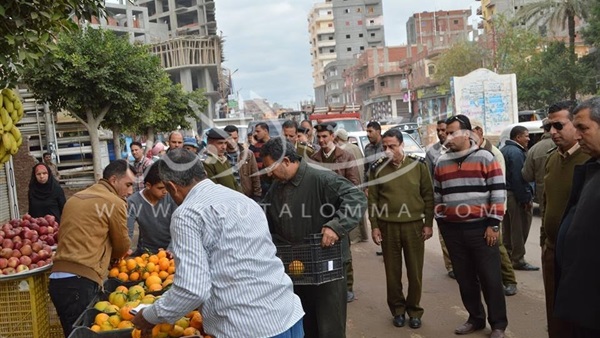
(369, 316)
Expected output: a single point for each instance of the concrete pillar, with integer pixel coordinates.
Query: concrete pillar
(185, 78)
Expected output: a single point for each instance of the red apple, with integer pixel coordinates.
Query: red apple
(6, 253)
(6, 227)
(35, 227)
(27, 217)
(27, 241)
(25, 260)
(7, 243)
(50, 240)
(47, 247)
(34, 257)
(14, 222)
(41, 263)
(16, 253)
(21, 268)
(26, 250)
(17, 238)
(10, 234)
(25, 223)
(9, 271)
(18, 245)
(2, 233)
(33, 266)
(13, 262)
(3, 263)
(43, 230)
(28, 234)
(35, 237)
(50, 218)
(37, 246)
(43, 254)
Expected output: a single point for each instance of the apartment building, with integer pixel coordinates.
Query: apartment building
(341, 30)
(438, 29)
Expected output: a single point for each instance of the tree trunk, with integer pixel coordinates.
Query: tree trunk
(149, 139)
(116, 131)
(92, 126)
(572, 56)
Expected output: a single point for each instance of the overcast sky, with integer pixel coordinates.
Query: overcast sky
(267, 42)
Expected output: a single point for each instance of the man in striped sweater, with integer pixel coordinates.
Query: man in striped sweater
(469, 193)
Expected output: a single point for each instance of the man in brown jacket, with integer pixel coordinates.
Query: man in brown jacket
(344, 164)
(244, 165)
(93, 232)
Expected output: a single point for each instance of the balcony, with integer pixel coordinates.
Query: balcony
(325, 30)
(479, 11)
(374, 27)
(372, 2)
(321, 18)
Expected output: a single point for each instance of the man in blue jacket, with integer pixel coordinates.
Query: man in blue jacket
(517, 220)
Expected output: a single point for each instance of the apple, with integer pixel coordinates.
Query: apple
(10, 234)
(6, 227)
(35, 227)
(2, 233)
(18, 245)
(25, 260)
(21, 268)
(43, 254)
(27, 241)
(9, 271)
(34, 257)
(43, 230)
(33, 266)
(6, 253)
(25, 223)
(50, 230)
(28, 234)
(27, 217)
(41, 263)
(35, 237)
(7, 243)
(3, 263)
(26, 250)
(37, 246)
(17, 238)
(13, 262)
(42, 222)
(14, 222)
(50, 240)
(47, 247)
(16, 253)
(50, 218)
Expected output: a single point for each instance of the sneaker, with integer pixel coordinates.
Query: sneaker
(510, 290)
(525, 267)
(350, 296)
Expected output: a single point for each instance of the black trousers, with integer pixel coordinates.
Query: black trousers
(71, 296)
(477, 268)
(325, 309)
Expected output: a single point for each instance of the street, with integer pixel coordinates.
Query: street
(369, 316)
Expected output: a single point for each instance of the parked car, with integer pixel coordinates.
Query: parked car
(532, 115)
(535, 132)
(411, 128)
(410, 145)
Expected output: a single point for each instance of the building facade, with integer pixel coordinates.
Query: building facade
(349, 27)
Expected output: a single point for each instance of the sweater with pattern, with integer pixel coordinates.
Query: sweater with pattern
(469, 187)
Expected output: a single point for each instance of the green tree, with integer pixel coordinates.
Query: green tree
(557, 12)
(591, 35)
(101, 75)
(460, 60)
(28, 29)
(175, 110)
(513, 46)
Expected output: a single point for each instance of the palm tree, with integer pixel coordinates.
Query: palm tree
(555, 12)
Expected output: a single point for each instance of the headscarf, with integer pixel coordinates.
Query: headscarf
(42, 191)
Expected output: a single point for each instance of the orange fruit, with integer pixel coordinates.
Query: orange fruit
(101, 318)
(155, 330)
(167, 283)
(150, 266)
(164, 264)
(125, 324)
(123, 276)
(131, 264)
(165, 327)
(153, 280)
(190, 331)
(153, 259)
(161, 254)
(196, 320)
(122, 262)
(139, 260)
(176, 331)
(163, 275)
(145, 275)
(122, 288)
(155, 287)
(95, 328)
(124, 312)
(123, 268)
(134, 276)
(136, 333)
(114, 272)
(145, 256)
(171, 270)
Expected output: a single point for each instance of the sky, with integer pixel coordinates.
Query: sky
(267, 49)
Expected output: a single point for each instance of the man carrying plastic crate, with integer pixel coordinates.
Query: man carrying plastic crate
(305, 200)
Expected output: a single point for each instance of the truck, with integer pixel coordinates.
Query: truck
(346, 117)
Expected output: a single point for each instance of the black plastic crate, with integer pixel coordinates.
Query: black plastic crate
(311, 264)
(86, 320)
(85, 332)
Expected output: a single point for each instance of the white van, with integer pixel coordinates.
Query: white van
(535, 132)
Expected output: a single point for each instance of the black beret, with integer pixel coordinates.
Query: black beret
(217, 134)
(326, 126)
(302, 130)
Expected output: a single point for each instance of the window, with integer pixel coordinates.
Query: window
(371, 10)
(349, 49)
(372, 35)
(371, 22)
(330, 24)
(360, 35)
(456, 22)
(346, 11)
(331, 38)
(362, 47)
(431, 69)
(328, 12)
(382, 83)
(331, 50)
(358, 10)
(359, 22)
(347, 36)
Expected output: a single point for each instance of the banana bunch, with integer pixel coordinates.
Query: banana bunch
(11, 112)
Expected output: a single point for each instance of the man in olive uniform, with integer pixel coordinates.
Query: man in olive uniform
(401, 214)
(305, 200)
(215, 161)
(289, 129)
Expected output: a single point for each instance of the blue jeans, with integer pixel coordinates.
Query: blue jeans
(296, 331)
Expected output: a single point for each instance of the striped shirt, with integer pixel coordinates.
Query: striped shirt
(226, 266)
(469, 187)
(140, 172)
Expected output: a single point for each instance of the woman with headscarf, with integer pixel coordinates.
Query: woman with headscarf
(46, 197)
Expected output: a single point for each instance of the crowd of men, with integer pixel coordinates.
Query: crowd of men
(195, 201)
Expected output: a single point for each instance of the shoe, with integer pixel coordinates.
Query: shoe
(510, 290)
(497, 333)
(525, 267)
(414, 323)
(399, 321)
(451, 274)
(379, 253)
(467, 328)
(350, 296)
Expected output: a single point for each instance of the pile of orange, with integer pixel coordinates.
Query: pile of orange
(115, 312)
(190, 325)
(156, 271)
